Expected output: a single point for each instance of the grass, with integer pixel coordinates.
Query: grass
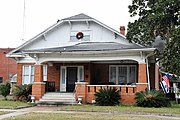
(11, 104)
(4, 112)
(175, 109)
(79, 116)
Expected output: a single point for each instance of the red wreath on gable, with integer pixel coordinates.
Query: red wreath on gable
(79, 35)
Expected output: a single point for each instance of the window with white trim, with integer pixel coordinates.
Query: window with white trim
(80, 73)
(28, 74)
(85, 36)
(44, 72)
(123, 74)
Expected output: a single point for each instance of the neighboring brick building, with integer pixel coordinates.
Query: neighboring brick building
(8, 66)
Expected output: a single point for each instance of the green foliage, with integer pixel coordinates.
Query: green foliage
(107, 97)
(5, 89)
(152, 98)
(157, 18)
(22, 92)
(171, 61)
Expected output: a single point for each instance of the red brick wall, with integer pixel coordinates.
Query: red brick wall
(19, 74)
(127, 93)
(38, 73)
(53, 74)
(38, 90)
(142, 76)
(7, 65)
(38, 87)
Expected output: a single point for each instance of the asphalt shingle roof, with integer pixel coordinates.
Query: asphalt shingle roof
(79, 16)
(88, 46)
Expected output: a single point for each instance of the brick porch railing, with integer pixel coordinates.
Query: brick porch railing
(87, 92)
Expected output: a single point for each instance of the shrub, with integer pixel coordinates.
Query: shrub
(152, 98)
(5, 89)
(107, 97)
(22, 92)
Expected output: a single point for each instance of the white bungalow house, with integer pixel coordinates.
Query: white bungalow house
(81, 55)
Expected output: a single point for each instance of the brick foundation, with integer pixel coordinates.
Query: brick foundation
(38, 90)
(81, 91)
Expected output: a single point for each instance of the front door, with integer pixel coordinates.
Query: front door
(71, 78)
(69, 75)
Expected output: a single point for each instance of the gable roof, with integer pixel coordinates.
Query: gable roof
(78, 17)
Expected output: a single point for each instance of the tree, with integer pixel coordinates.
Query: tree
(157, 18)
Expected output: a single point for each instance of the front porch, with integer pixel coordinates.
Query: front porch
(88, 78)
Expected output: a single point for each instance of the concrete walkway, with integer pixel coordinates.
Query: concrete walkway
(55, 110)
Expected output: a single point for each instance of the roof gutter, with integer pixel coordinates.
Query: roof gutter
(92, 52)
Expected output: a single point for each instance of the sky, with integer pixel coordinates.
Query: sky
(40, 14)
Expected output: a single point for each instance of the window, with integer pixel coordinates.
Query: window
(63, 78)
(28, 74)
(44, 72)
(85, 37)
(80, 74)
(1, 79)
(123, 74)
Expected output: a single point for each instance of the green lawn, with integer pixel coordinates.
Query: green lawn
(79, 116)
(175, 109)
(4, 112)
(10, 104)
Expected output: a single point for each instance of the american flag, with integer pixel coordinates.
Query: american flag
(166, 79)
(164, 86)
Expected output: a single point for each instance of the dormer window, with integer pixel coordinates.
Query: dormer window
(80, 36)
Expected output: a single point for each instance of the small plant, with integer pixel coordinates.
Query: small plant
(152, 98)
(107, 97)
(5, 89)
(22, 92)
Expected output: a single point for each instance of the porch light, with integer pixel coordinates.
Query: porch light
(32, 98)
(80, 100)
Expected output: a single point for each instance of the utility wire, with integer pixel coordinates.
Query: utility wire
(24, 21)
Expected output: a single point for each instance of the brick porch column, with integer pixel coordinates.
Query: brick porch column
(38, 87)
(142, 78)
(19, 74)
(81, 91)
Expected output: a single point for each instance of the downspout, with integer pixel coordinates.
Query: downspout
(147, 69)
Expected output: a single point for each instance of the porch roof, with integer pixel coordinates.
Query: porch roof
(88, 46)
